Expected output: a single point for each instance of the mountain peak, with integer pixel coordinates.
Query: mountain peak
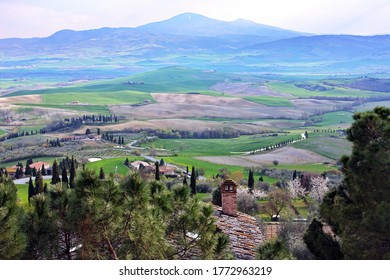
(199, 25)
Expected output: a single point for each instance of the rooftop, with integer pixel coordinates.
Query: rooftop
(244, 233)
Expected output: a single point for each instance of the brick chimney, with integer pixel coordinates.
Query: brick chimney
(229, 197)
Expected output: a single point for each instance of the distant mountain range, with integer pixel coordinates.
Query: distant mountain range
(197, 41)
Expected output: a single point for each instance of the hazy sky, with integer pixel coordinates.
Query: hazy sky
(40, 18)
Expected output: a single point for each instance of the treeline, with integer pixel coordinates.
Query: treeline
(109, 136)
(20, 134)
(204, 134)
(108, 219)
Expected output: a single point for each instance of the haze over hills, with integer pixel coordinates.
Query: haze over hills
(194, 40)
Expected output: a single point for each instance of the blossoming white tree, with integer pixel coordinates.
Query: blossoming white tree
(318, 188)
(296, 189)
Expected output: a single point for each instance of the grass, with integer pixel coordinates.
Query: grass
(326, 145)
(203, 196)
(23, 161)
(99, 98)
(335, 119)
(270, 101)
(308, 167)
(209, 168)
(100, 109)
(299, 205)
(2, 132)
(219, 147)
(22, 192)
(112, 165)
(291, 88)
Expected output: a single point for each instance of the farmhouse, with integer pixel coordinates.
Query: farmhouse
(38, 165)
(11, 171)
(137, 164)
(242, 229)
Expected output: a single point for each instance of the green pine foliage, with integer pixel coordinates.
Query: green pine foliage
(274, 249)
(12, 239)
(359, 209)
(41, 230)
(322, 245)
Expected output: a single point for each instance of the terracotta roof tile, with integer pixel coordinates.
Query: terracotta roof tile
(243, 231)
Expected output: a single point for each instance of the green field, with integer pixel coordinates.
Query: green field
(112, 165)
(22, 192)
(328, 145)
(23, 161)
(291, 88)
(335, 119)
(99, 109)
(220, 147)
(308, 167)
(270, 101)
(99, 98)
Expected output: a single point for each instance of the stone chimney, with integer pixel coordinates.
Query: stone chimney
(229, 197)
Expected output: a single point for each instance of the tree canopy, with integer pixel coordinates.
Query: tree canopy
(359, 209)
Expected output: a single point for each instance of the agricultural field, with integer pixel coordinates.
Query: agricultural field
(331, 146)
(218, 147)
(299, 92)
(268, 110)
(112, 165)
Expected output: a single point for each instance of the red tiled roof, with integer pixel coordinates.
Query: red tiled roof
(243, 231)
(38, 165)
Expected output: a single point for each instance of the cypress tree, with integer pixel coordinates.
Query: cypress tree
(157, 175)
(126, 162)
(56, 173)
(193, 181)
(27, 171)
(64, 176)
(38, 182)
(34, 172)
(294, 175)
(31, 190)
(251, 181)
(101, 174)
(72, 174)
(185, 181)
(43, 170)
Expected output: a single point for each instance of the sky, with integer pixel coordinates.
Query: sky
(41, 18)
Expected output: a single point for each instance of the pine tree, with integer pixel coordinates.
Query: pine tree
(101, 174)
(72, 173)
(64, 176)
(193, 181)
(251, 181)
(157, 174)
(359, 209)
(56, 173)
(162, 162)
(31, 190)
(12, 240)
(41, 229)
